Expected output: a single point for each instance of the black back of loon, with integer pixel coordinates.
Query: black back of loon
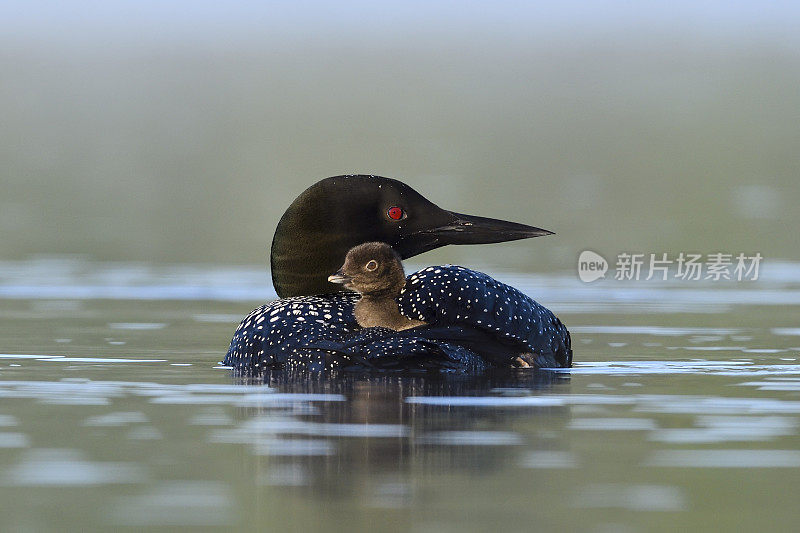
(335, 214)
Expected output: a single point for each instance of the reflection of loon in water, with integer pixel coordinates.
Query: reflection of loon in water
(475, 322)
(380, 402)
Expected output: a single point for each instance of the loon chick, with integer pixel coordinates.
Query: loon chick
(375, 271)
(471, 316)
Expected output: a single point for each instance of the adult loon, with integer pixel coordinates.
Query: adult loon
(474, 322)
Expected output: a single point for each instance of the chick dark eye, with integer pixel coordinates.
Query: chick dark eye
(396, 213)
(372, 265)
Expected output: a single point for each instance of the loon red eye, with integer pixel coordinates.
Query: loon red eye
(396, 213)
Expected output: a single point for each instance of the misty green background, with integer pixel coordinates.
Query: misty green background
(181, 133)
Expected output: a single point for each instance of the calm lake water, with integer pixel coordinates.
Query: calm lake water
(681, 413)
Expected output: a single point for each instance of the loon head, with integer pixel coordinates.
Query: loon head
(335, 214)
(372, 269)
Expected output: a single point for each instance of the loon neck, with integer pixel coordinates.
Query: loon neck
(301, 267)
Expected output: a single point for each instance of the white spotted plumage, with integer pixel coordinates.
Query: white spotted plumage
(292, 340)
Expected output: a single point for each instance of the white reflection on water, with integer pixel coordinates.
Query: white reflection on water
(613, 424)
(549, 459)
(262, 443)
(62, 467)
(725, 458)
(643, 403)
(292, 447)
(705, 338)
(471, 438)
(14, 440)
(75, 399)
(137, 325)
(712, 348)
(523, 401)
(62, 358)
(27, 356)
(487, 401)
(177, 503)
(775, 384)
(116, 419)
(713, 405)
(285, 475)
(8, 421)
(213, 416)
(144, 433)
(633, 497)
(87, 392)
(391, 495)
(291, 426)
(101, 360)
(729, 429)
(720, 368)
(261, 433)
(265, 399)
(653, 330)
(785, 331)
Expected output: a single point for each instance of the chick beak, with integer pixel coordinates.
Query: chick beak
(339, 277)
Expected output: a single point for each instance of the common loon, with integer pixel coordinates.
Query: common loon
(474, 322)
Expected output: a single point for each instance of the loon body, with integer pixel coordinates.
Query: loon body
(471, 321)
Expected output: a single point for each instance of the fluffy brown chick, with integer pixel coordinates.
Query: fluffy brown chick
(375, 271)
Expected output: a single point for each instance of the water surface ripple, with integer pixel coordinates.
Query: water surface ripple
(684, 404)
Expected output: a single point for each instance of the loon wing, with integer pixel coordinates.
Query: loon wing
(277, 334)
(412, 349)
(454, 295)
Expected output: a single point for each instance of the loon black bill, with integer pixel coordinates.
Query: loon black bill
(471, 229)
